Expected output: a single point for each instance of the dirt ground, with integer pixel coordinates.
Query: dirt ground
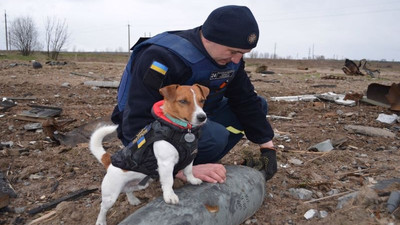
(41, 170)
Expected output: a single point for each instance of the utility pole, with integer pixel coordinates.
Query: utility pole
(5, 19)
(275, 51)
(129, 37)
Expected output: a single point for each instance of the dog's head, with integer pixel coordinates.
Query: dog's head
(185, 102)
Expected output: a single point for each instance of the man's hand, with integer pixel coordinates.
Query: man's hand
(265, 163)
(268, 157)
(211, 173)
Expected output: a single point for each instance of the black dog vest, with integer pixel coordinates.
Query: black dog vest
(139, 155)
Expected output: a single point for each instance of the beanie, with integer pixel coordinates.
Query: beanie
(233, 26)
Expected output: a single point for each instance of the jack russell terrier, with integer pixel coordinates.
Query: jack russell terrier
(159, 150)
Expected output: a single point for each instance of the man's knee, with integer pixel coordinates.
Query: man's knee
(212, 143)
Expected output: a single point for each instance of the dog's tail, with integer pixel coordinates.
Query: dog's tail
(96, 146)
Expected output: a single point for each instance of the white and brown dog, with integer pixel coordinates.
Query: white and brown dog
(183, 105)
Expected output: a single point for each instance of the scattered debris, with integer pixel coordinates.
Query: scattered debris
(18, 64)
(82, 133)
(393, 201)
(263, 69)
(369, 71)
(33, 126)
(6, 191)
(294, 98)
(105, 84)
(41, 111)
(279, 117)
(325, 146)
(72, 196)
(369, 131)
(301, 193)
(6, 103)
(353, 96)
(345, 199)
(377, 92)
(36, 65)
(350, 68)
(7, 144)
(389, 119)
(56, 63)
(393, 97)
(311, 214)
(337, 98)
(21, 98)
(295, 161)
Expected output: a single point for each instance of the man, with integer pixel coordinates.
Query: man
(210, 55)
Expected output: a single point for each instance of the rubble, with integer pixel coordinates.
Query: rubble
(325, 146)
(301, 193)
(369, 131)
(104, 84)
(389, 119)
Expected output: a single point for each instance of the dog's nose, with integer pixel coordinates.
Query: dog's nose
(201, 117)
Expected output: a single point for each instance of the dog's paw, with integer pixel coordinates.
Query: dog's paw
(194, 181)
(133, 200)
(171, 198)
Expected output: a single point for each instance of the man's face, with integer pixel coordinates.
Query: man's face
(224, 54)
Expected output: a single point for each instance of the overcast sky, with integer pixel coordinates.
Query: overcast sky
(338, 29)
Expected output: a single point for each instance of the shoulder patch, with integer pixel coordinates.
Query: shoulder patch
(159, 67)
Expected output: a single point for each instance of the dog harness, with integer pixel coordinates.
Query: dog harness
(204, 71)
(139, 155)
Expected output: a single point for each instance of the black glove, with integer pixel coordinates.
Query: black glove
(268, 159)
(266, 163)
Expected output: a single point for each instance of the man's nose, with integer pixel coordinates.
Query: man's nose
(236, 57)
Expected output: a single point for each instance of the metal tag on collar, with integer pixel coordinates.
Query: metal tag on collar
(189, 136)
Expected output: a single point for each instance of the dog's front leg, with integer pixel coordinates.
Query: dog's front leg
(167, 157)
(189, 175)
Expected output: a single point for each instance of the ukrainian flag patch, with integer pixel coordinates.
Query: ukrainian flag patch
(159, 67)
(141, 141)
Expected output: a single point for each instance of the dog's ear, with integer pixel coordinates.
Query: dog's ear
(203, 89)
(169, 91)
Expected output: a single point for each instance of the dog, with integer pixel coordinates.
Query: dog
(183, 105)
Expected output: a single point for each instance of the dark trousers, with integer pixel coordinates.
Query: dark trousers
(221, 133)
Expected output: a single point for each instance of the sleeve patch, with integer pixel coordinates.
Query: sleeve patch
(157, 66)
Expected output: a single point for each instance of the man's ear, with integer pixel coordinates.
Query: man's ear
(203, 89)
(169, 91)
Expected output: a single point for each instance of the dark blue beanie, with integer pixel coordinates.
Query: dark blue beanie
(233, 26)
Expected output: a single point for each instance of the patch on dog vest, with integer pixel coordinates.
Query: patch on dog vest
(140, 140)
(157, 66)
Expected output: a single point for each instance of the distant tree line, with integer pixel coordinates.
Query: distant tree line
(24, 36)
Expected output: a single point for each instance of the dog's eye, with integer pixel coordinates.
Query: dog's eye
(202, 101)
(183, 101)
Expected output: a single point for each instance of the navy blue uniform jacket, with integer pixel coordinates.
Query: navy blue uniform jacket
(145, 84)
